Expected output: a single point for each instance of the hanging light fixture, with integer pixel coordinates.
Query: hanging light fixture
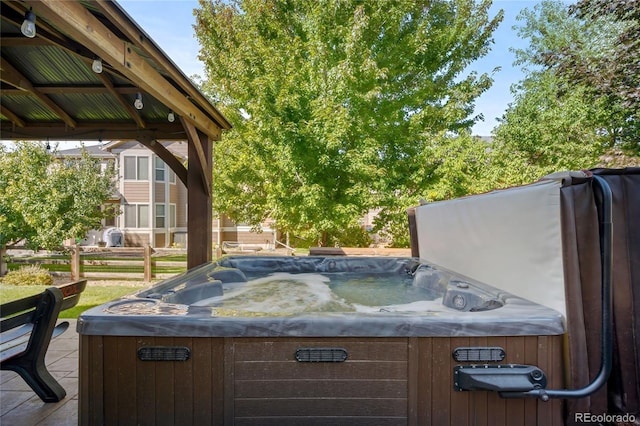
(171, 117)
(97, 65)
(28, 27)
(48, 147)
(138, 102)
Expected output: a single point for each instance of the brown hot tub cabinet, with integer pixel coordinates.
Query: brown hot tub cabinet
(257, 381)
(222, 344)
(284, 340)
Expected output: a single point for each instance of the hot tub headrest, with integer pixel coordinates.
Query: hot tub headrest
(430, 279)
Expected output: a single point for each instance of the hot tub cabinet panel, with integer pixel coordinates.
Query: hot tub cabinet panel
(259, 381)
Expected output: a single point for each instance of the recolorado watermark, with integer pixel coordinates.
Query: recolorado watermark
(604, 418)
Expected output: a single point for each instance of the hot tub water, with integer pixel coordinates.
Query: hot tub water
(284, 293)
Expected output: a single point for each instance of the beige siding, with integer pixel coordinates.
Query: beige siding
(134, 239)
(136, 192)
(229, 236)
(159, 188)
(181, 205)
(161, 240)
(173, 193)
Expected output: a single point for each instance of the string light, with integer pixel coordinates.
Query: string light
(28, 27)
(138, 102)
(97, 65)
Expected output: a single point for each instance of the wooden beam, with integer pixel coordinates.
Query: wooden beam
(15, 40)
(133, 113)
(167, 156)
(115, 14)
(96, 131)
(86, 29)
(11, 116)
(194, 138)
(65, 90)
(13, 77)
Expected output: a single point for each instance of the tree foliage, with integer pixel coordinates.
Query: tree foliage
(543, 133)
(452, 165)
(612, 74)
(558, 121)
(336, 103)
(575, 101)
(44, 200)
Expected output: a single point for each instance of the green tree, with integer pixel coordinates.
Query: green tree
(543, 133)
(553, 123)
(612, 70)
(452, 165)
(335, 103)
(44, 200)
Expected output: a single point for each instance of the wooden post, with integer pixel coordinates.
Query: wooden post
(199, 216)
(75, 263)
(148, 265)
(413, 232)
(3, 264)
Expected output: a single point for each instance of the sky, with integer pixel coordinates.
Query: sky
(170, 25)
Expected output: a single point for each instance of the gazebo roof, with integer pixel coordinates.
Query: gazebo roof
(49, 89)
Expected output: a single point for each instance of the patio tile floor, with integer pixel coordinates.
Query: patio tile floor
(20, 406)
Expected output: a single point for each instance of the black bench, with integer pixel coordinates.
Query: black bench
(27, 326)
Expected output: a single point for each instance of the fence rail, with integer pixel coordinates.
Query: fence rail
(143, 262)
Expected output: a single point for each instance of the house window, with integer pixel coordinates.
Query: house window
(143, 216)
(136, 168)
(130, 217)
(160, 216)
(136, 216)
(172, 176)
(160, 169)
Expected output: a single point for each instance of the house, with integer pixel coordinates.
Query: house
(153, 203)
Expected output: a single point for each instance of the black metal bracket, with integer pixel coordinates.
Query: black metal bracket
(498, 378)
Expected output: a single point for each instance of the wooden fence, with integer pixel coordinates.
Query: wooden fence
(80, 264)
(82, 260)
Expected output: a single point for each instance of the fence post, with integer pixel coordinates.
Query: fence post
(3, 264)
(75, 263)
(148, 273)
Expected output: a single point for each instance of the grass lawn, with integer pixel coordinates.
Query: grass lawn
(92, 295)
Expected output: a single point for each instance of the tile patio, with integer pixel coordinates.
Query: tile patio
(20, 406)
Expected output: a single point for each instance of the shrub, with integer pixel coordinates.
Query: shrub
(28, 275)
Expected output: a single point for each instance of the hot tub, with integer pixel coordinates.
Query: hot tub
(313, 340)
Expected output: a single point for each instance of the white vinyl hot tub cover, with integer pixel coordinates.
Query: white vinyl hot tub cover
(509, 239)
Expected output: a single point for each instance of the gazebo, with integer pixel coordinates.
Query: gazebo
(84, 70)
